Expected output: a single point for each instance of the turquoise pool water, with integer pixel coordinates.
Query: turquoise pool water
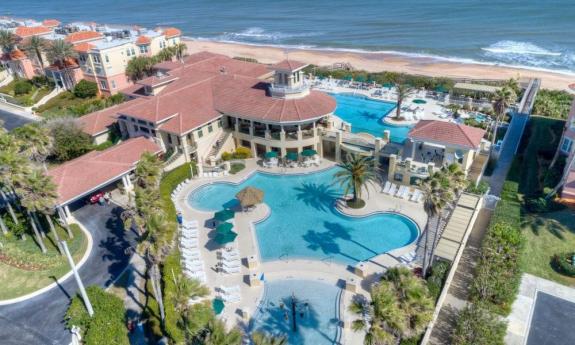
(365, 115)
(303, 222)
(317, 311)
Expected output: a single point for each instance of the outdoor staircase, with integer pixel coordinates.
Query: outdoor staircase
(218, 143)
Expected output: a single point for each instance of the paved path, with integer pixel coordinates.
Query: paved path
(508, 150)
(12, 121)
(38, 321)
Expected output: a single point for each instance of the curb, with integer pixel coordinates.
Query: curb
(61, 279)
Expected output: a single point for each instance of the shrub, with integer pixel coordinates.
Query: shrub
(564, 263)
(437, 277)
(242, 153)
(69, 140)
(226, 156)
(476, 325)
(481, 188)
(22, 87)
(41, 81)
(106, 326)
(85, 89)
(542, 205)
(552, 103)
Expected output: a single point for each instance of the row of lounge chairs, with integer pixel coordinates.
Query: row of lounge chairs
(178, 189)
(402, 192)
(230, 294)
(229, 260)
(192, 263)
(215, 173)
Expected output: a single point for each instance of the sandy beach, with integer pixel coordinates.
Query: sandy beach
(377, 62)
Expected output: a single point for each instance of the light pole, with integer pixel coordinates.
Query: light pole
(78, 280)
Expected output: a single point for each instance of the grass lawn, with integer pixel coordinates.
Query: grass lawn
(27, 99)
(17, 282)
(236, 168)
(64, 104)
(546, 235)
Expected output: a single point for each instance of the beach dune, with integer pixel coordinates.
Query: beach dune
(377, 62)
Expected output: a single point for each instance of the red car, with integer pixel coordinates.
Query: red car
(96, 197)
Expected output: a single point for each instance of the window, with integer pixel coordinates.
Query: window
(143, 122)
(96, 58)
(179, 141)
(133, 51)
(103, 84)
(174, 41)
(128, 52)
(144, 129)
(567, 145)
(190, 137)
(162, 44)
(246, 143)
(143, 49)
(170, 138)
(113, 84)
(135, 128)
(200, 133)
(210, 129)
(107, 58)
(219, 123)
(82, 58)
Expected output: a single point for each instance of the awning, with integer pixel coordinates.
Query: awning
(476, 87)
(292, 156)
(271, 154)
(224, 227)
(224, 215)
(308, 153)
(226, 237)
(218, 306)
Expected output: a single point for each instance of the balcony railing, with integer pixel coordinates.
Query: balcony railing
(280, 89)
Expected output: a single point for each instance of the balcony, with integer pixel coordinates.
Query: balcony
(289, 90)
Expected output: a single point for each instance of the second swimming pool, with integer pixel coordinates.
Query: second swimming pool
(304, 223)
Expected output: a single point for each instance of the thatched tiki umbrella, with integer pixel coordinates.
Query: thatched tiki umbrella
(250, 196)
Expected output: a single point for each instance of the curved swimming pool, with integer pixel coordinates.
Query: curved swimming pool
(315, 311)
(304, 223)
(366, 115)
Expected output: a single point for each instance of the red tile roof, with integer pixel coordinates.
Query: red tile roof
(93, 170)
(288, 65)
(15, 54)
(143, 40)
(99, 121)
(28, 31)
(51, 23)
(447, 133)
(171, 32)
(83, 47)
(83, 36)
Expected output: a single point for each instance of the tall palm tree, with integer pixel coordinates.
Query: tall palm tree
(60, 52)
(437, 194)
(502, 100)
(37, 194)
(35, 46)
(166, 54)
(180, 50)
(259, 338)
(186, 289)
(357, 172)
(34, 142)
(403, 91)
(218, 335)
(400, 309)
(12, 167)
(7, 41)
(139, 67)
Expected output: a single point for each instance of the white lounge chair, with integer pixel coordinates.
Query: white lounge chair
(189, 245)
(386, 187)
(415, 195)
(189, 235)
(234, 298)
(231, 270)
(393, 189)
(231, 263)
(230, 289)
(399, 191)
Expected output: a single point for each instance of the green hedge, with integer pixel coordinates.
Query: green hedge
(436, 278)
(563, 263)
(106, 326)
(476, 325)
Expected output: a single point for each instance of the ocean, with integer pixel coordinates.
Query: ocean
(528, 33)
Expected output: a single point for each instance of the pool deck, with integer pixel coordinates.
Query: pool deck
(323, 270)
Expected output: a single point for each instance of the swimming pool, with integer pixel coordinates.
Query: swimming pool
(366, 115)
(303, 222)
(316, 317)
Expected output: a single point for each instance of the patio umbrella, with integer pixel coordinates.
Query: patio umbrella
(250, 196)
(441, 88)
(292, 156)
(360, 78)
(271, 154)
(218, 306)
(347, 77)
(226, 237)
(224, 227)
(308, 152)
(224, 215)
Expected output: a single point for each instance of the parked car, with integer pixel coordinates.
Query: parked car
(96, 197)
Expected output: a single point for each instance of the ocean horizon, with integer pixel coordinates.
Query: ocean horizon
(530, 34)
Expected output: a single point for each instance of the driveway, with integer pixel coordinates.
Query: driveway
(40, 320)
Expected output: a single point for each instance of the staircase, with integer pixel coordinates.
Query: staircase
(174, 161)
(218, 143)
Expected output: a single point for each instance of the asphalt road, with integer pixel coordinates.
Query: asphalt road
(12, 121)
(552, 321)
(39, 321)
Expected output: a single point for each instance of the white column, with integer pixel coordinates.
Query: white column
(127, 183)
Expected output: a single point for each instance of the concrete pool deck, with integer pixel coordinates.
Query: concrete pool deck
(325, 270)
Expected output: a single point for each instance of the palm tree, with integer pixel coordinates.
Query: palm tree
(139, 67)
(186, 289)
(60, 52)
(437, 194)
(37, 194)
(513, 84)
(400, 309)
(34, 142)
(180, 50)
(7, 41)
(259, 338)
(35, 46)
(403, 91)
(502, 100)
(166, 54)
(217, 335)
(12, 167)
(356, 173)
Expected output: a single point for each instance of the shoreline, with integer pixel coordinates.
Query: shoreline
(380, 61)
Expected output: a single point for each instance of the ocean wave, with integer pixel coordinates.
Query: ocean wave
(540, 66)
(519, 48)
(261, 35)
